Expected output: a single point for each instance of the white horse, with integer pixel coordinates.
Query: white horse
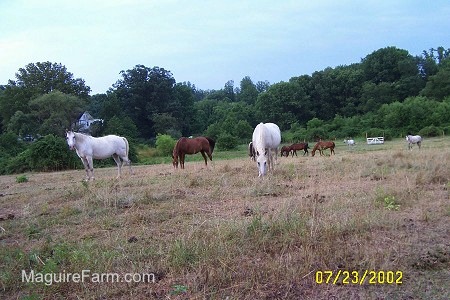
(89, 147)
(413, 139)
(350, 142)
(266, 139)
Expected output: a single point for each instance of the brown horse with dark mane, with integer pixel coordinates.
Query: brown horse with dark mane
(251, 151)
(299, 146)
(322, 146)
(285, 150)
(204, 145)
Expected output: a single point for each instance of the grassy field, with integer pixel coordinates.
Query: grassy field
(220, 232)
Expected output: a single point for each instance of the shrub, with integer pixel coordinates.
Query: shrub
(430, 131)
(50, 154)
(21, 179)
(165, 144)
(226, 141)
(18, 164)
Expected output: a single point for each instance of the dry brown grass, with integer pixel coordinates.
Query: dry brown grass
(218, 232)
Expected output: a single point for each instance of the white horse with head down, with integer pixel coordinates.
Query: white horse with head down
(266, 139)
(350, 143)
(413, 139)
(88, 147)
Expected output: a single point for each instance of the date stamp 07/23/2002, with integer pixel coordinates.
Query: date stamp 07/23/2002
(359, 277)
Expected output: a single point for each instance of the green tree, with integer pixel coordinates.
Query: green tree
(279, 104)
(122, 126)
(143, 92)
(229, 90)
(22, 124)
(203, 114)
(182, 109)
(438, 85)
(388, 64)
(55, 112)
(248, 91)
(36, 80)
(165, 123)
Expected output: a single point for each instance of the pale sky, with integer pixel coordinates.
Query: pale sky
(211, 42)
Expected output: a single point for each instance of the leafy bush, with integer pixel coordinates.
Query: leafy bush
(165, 144)
(10, 144)
(430, 131)
(226, 141)
(51, 154)
(18, 164)
(21, 179)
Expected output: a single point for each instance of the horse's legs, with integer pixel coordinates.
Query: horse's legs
(90, 165)
(418, 144)
(86, 167)
(332, 151)
(182, 155)
(127, 161)
(276, 154)
(209, 155)
(118, 162)
(204, 157)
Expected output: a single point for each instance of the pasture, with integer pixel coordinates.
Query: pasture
(220, 232)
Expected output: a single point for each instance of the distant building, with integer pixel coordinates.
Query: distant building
(85, 121)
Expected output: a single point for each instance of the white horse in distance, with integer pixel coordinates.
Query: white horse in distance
(266, 139)
(413, 139)
(88, 147)
(350, 142)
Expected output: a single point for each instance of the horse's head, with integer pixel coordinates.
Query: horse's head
(261, 161)
(70, 138)
(175, 161)
(175, 158)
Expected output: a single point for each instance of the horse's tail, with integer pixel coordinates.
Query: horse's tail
(127, 146)
(211, 142)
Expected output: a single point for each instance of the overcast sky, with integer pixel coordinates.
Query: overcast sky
(211, 42)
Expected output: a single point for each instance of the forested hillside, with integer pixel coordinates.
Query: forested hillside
(389, 92)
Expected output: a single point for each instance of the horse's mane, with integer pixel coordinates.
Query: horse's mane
(212, 143)
(80, 136)
(261, 138)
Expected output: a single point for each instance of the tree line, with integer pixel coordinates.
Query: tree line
(388, 92)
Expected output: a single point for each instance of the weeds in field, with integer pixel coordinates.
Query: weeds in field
(178, 289)
(390, 204)
(21, 179)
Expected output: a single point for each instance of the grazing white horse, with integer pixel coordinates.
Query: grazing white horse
(350, 142)
(89, 147)
(413, 139)
(266, 139)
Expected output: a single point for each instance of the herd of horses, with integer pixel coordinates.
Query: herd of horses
(263, 149)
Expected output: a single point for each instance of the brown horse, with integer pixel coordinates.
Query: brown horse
(285, 150)
(322, 146)
(251, 151)
(299, 146)
(204, 145)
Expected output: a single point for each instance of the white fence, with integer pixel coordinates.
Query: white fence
(375, 140)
